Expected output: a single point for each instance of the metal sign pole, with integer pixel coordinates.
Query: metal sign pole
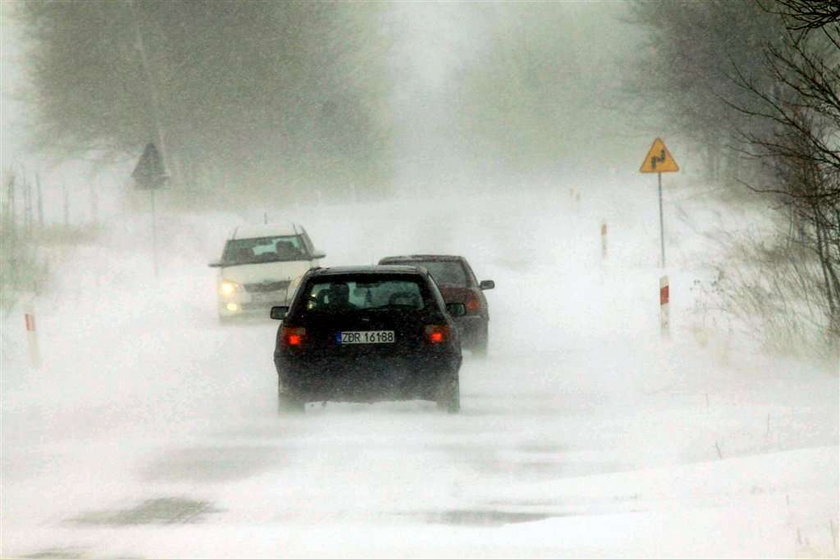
(661, 222)
(154, 234)
(150, 174)
(659, 160)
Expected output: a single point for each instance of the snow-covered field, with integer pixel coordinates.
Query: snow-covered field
(150, 430)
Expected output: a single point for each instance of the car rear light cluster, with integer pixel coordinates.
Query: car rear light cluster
(472, 302)
(437, 334)
(292, 337)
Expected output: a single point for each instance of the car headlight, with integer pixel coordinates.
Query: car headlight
(227, 288)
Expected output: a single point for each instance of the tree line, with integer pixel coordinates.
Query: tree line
(251, 96)
(272, 96)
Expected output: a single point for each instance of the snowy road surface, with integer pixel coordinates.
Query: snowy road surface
(150, 430)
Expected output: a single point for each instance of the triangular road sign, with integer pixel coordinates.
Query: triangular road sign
(150, 173)
(659, 159)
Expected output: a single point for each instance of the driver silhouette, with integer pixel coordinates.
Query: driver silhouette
(339, 296)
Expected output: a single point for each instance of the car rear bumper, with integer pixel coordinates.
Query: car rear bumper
(365, 379)
(471, 328)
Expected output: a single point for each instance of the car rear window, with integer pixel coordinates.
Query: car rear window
(263, 249)
(365, 293)
(445, 272)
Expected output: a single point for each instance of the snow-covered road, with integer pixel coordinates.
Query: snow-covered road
(150, 430)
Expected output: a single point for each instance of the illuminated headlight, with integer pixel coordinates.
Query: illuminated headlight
(227, 288)
(232, 307)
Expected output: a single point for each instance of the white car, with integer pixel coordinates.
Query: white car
(261, 266)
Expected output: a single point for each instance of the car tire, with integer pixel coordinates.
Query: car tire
(225, 320)
(479, 348)
(449, 394)
(289, 404)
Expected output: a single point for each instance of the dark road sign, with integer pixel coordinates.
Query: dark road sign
(150, 173)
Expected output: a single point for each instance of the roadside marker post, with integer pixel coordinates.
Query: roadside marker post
(32, 335)
(574, 196)
(664, 303)
(604, 240)
(659, 160)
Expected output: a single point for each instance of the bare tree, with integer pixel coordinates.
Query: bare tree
(251, 94)
(692, 48)
(801, 147)
(765, 78)
(806, 15)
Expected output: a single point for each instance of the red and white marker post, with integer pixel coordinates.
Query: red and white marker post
(32, 335)
(664, 298)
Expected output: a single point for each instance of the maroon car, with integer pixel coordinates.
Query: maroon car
(457, 284)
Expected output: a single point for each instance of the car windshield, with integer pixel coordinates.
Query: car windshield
(263, 249)
(370, 293)
(445, 272)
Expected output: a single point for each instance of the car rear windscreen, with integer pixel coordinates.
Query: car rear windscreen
(445, 272)
(365, 293)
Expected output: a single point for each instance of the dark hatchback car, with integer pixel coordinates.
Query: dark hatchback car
(458, 284)
(365, 334)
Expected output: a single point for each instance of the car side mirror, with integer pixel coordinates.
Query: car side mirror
(487, 284)
(279, 313)
(318, 254)
(456, 309)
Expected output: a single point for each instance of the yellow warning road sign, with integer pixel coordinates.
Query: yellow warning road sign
(659, 159)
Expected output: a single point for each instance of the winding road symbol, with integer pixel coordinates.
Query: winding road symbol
(659, 159)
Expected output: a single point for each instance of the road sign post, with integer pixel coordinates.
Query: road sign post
(150, 174)
(659, 160)
(661, 223)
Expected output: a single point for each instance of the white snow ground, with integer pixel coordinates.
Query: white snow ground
(150, 430)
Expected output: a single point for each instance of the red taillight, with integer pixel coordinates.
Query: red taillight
(472, 302)
(437, 334)
(292, 337)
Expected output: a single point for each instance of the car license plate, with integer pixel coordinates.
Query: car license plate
(368, 337)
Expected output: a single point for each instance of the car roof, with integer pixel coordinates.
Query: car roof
(375, 270)
(266, 230)
(426, 257)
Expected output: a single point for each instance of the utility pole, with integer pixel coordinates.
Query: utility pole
(66, 204)
(151, 84)
(40, 200)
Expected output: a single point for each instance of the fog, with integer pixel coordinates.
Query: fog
(484, 90)
(148, 429)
